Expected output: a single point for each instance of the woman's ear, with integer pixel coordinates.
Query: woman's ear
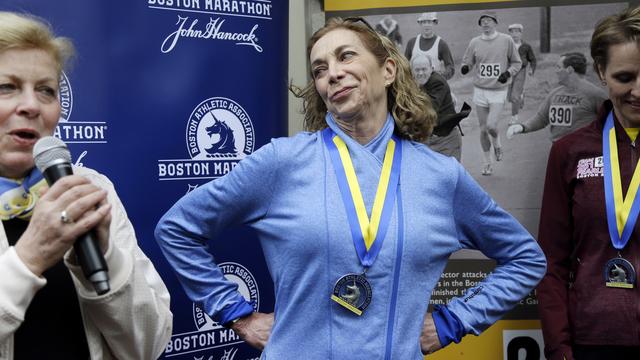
(601, 72)
(389, 70)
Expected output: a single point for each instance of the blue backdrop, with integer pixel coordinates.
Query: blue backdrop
(164, 96)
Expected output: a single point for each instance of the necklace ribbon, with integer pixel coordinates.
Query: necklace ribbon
(18, 197)
(367, 233)
(622, 212)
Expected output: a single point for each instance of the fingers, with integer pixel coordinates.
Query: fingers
(74, 194)
(102, 230)
(63, 185)
(90, 220)
(82, 199)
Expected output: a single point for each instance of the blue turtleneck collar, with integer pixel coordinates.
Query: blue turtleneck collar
(377, 146)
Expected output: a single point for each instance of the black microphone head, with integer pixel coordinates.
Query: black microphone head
(50, 151)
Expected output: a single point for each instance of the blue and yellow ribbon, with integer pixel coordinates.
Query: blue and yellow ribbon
(367, 233)
(622, 211)
(19, 197)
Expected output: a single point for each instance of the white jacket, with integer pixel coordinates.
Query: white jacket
(131, 321)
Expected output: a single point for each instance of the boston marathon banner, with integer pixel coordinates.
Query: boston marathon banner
(165, 95)
(551, 28)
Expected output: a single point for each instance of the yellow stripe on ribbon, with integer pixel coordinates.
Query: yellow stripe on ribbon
(369, 228)
(622, 204)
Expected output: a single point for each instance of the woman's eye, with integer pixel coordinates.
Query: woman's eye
(624, 78)
(317, 72)
(7, 87)
(346, 55)
(48, 91)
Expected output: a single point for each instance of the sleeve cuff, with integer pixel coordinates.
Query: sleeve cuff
(17, 293)
(120, 267)
(233, 311)
(448, 326)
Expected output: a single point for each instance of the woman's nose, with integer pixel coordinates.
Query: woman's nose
(28, 104)
(635, 90)
(336, 72)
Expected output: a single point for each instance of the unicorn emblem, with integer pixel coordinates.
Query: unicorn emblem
(226, 145)
(352, 295)
(619, 274)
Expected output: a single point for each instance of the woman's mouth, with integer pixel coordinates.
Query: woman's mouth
(26, 137)
(341, 94)
(635, 104)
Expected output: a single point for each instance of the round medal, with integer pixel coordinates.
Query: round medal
(619, 273)
(353, 292)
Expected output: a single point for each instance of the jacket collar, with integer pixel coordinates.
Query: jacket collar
(377, 146)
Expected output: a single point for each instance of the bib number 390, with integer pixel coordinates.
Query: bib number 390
(560, 115)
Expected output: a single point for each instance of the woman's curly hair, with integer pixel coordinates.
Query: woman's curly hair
(410, 107)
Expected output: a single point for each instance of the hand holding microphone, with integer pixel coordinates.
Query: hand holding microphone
(72, 212)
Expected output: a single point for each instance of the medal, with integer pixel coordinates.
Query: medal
(619, 273)
(353, 291)
(622, 211)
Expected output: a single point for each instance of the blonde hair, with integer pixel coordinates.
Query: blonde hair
(22, 31)
(614, 30)
(410, 107)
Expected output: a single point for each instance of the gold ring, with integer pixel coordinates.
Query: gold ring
(64, 217)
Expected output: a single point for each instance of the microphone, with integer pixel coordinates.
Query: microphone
(53, 159)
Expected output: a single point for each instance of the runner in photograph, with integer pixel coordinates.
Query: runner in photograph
(431, 45)
(516, 89)
(448, 142)
(568, 107)
(495, 59)
(389, 27)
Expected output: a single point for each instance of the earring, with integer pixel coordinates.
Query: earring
(604, 83)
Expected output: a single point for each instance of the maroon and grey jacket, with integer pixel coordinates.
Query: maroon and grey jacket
(575, 305)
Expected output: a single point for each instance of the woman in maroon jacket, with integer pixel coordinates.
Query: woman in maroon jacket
(589, 298)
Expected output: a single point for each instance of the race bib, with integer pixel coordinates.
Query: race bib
(489, 71)
(561, 115)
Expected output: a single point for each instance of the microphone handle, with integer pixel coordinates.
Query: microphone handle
(88, 253)
(57, 171)
(92, 262)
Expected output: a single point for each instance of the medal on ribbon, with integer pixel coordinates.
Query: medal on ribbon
(622, 211)
(353, 291)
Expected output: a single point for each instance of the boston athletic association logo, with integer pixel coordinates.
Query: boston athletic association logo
(211, 335)
(66, 98)
(219, 134)
(74, 131)
(219, 128)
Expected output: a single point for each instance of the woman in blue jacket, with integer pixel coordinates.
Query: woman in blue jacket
(356, 219)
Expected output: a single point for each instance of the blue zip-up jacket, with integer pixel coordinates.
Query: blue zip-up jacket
(287, 191)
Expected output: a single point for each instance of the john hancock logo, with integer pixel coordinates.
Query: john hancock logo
(218, 135)
(209, 334)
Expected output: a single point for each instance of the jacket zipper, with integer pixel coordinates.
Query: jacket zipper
(396, 276)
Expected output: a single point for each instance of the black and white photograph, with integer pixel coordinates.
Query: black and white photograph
(505, 143)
